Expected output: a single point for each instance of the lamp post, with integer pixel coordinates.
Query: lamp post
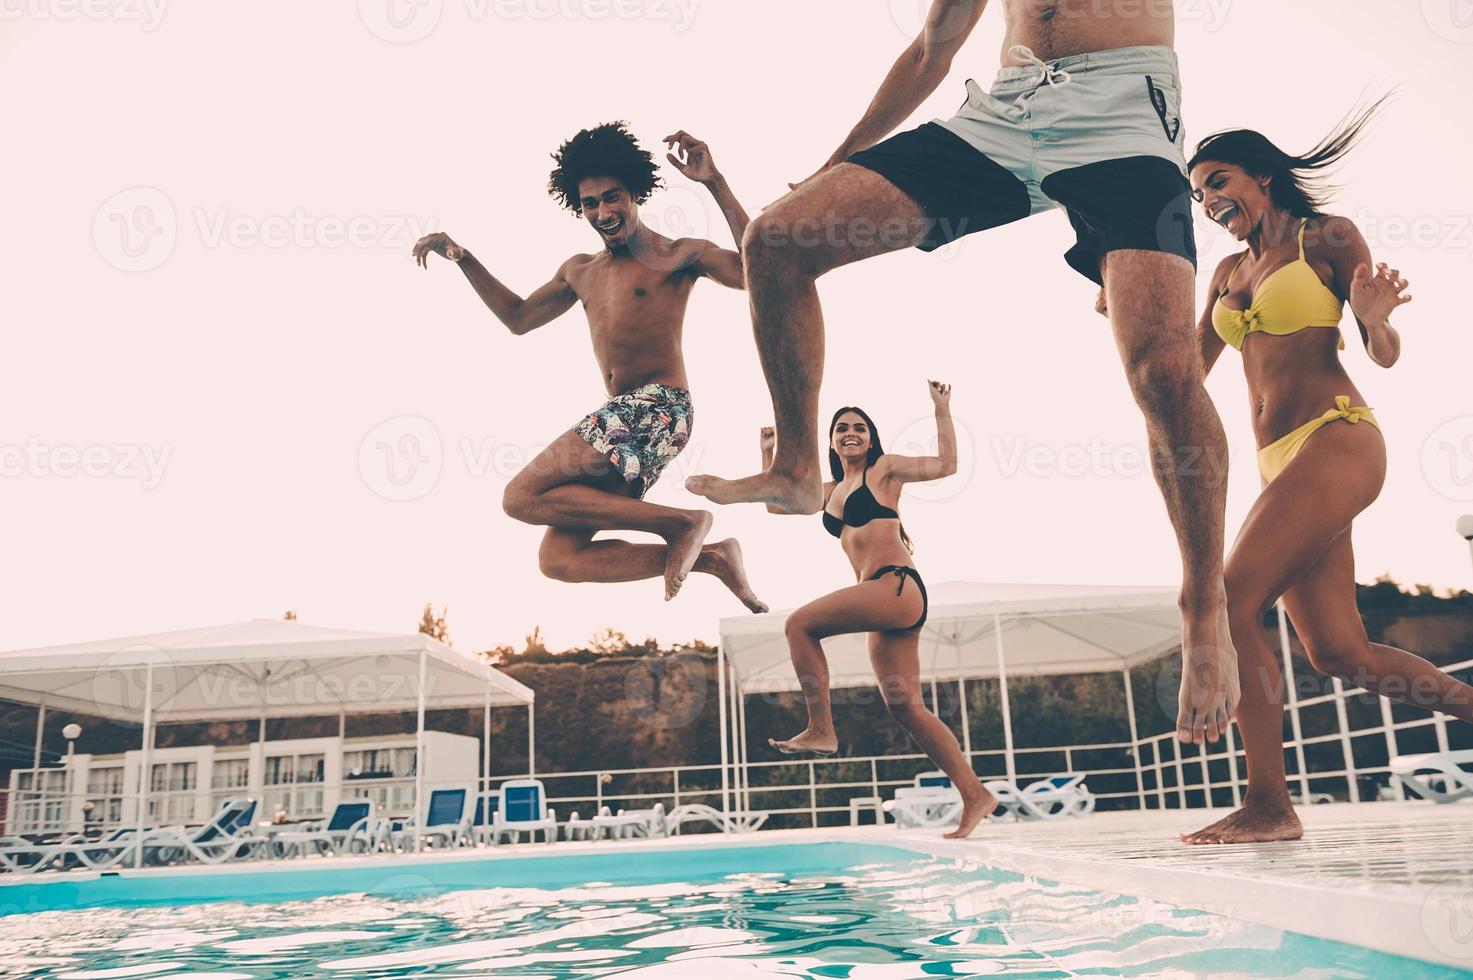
(71, 733)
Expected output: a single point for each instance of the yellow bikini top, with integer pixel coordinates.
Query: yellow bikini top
(1291, 299)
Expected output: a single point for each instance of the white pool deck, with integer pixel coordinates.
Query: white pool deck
(1392, 876)
(1397, 877)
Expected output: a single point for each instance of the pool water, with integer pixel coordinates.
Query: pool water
(897, 918)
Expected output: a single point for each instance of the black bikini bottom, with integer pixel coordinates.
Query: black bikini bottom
(903, 572)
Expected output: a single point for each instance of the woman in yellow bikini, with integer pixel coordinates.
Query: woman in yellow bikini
(1322, 457)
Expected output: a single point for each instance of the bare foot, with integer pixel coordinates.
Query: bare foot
(1210, 687)
(726, 556)
(976, 807)
(807, 741)
(684, 549)
(1253, 824)
(782, 494)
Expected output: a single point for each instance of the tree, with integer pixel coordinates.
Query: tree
(291, 615)
(608, 640)
(434, 626)
(534, 641)
(498, 654)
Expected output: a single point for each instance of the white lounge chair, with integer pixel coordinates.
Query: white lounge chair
(653, 821)
(20, 855)
(738, 822)
(930, 802)
(27, 857)
(576, 828)
(1062, 795)
(924, 807)
(1050, 798)
(630, 823)
(524, 810)
(350, 828)
(230, 834)
(446, 823)
(1436, 776)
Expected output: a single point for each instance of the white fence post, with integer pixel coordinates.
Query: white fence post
(1292, 687)
(1347, 751)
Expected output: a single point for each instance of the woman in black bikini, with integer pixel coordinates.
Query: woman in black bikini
(889, 601)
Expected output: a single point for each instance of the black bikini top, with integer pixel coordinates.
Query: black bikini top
(860, 507)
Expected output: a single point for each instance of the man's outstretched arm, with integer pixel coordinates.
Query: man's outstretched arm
(915, 75)
(545, 304)
(692, 157)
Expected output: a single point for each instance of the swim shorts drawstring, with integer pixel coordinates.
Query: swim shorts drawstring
(1055, 76)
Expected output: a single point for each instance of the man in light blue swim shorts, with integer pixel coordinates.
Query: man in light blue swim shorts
(1084, 116)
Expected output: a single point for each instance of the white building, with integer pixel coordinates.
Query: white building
(257, 670)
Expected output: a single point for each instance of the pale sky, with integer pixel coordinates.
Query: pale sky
(213, 324)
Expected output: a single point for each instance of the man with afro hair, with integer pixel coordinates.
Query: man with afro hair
(634, 291)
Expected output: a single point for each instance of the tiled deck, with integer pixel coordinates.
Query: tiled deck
(1393, 876)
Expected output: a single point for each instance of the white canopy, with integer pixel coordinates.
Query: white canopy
(261, 668)
(1045, 630)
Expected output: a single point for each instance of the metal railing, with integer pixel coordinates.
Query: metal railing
(1155, 772)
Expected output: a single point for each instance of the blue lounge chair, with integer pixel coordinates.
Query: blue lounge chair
(349, 828)
(230, 835)
(483, 825)
(524, 809)
(447, 821)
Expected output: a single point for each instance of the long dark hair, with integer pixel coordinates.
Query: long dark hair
(1298, 184)
(876, 450)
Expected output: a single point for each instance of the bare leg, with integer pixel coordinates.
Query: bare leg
(1149, 296)
(571, 485)
(1295, 524)
(573, 556)
(897, 666)
(863, 608)
(841, 216)
(1323, 609)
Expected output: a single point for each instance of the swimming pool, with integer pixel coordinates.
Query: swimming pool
(830, 910)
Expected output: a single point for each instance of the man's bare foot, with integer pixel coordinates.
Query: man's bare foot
(818, 743)
(726, 561)
(684, 549)
(976, 807)
(782, 494)
(1253, 824)
(1210, 688)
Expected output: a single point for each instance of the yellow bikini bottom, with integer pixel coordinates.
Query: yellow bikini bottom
(1274, 457)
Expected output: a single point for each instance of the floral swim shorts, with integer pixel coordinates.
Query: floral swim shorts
(641, 431)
